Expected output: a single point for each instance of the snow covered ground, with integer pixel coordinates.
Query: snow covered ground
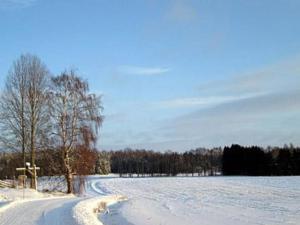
(203, 200)
(155, 201)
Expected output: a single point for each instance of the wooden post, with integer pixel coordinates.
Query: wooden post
(32, 171)
(34, 178)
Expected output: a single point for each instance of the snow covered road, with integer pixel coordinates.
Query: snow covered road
(44, 208)
(50, 211)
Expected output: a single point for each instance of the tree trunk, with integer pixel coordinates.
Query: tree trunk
(68, 173)
(33, 184)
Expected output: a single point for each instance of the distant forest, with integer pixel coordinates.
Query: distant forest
(233, 160)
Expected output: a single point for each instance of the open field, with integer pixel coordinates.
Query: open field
(204, 200)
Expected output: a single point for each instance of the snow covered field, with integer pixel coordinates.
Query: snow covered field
(203, 200)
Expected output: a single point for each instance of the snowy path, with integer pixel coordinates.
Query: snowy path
(41, 212)
(40, 208)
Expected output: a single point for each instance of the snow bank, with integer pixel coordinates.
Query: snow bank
(10, 197)
(85, 211)
(12, 194)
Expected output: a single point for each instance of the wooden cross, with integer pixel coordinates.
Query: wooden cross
(32, 171)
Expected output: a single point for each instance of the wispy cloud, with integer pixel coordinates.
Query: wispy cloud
(181, 11)
(138, 70)
(202, 102)
(278, 77)
(261, 107)
(269, 119)
(14, 4)
(258, 107)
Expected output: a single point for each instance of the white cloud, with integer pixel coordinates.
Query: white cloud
(262, 107)
(137, 70)
(282, 76)
(257, 108)
(14, 4)
(270, 119)
(202, 102)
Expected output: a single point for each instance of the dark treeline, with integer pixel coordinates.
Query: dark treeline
(49, 161)
(150, 163)
(256, 161)
(233, 160)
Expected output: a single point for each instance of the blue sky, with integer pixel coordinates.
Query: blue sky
(173, 74)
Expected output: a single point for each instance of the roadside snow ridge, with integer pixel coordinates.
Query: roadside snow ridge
(85, 211)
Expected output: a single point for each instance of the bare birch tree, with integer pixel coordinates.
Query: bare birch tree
(22, 106)
(72, 108)
(13, 108)
(37, 116)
